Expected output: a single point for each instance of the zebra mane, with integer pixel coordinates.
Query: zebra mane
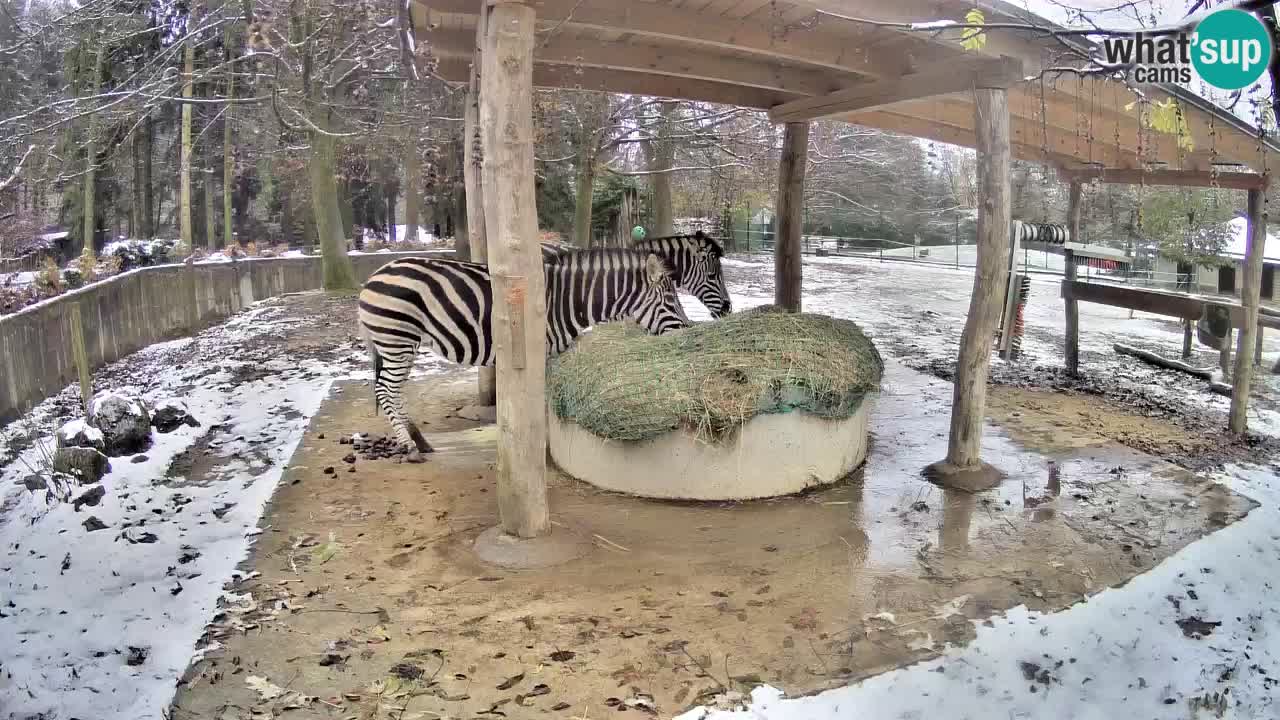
(698, 238)
(629, 258)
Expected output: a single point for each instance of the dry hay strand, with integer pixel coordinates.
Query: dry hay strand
(622, 384)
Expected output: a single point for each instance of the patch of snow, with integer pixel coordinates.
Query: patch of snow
(81, 426)
(17, 279)
(933, 24)
(1122, 652)
(293, 254)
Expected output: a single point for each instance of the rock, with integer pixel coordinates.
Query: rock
(90, 497)
(169, 415)
(78, 433)
(136, 459)
(85, 464)
(93, 523)
(35, 482)
(124, 421)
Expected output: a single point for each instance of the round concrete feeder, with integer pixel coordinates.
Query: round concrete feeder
(768, 456)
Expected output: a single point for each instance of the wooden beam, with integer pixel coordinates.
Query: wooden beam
(1249, 298)
(1181, 178)
(951, 134)
(683, 61)
(636, 83)
(515, 265)
(787, 272)
(812, 46)
(473, 140)
(991, 119)
(956, 77)
(1071, 355)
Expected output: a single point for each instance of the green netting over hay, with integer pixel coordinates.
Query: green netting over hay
(620, 383)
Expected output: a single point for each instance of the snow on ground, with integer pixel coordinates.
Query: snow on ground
(968, 254)
(74, 604)
(1121, 653)
(17, 279)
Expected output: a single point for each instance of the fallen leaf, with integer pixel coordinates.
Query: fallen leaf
(510, 682)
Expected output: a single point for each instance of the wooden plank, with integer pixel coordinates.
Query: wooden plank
(787, 273)
(675, 61)
(637, 83)
(991, 109)
(1179, 178)
(827, 46)
(471, 176)
(515, 265)
(1133, 298)
(1071, 355)
(1249, 298)
(941, 80)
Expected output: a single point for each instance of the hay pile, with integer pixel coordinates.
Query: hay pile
(623, 384)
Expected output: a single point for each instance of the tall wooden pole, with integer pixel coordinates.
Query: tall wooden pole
(787, 272)
(1072, 353)
(991, 108)
(515, 264)
(473, 154)
(1249, 296)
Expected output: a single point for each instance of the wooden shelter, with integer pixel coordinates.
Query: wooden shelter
(852, 60)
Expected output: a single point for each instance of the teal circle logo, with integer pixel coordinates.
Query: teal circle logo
(1231, 49)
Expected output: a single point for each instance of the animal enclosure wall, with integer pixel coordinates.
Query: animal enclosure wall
(136, 309)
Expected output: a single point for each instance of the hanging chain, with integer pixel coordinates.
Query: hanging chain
(1213, 162)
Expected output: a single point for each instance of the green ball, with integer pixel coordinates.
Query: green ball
(637, 233)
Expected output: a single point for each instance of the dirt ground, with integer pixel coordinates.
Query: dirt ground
(366, 599)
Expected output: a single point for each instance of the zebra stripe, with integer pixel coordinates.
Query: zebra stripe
(448, 306)
(695, 259)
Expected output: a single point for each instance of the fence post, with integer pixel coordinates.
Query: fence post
(81, 356)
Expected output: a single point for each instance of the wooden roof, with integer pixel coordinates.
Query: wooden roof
(764, 54)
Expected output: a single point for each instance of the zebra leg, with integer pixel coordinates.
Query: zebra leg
(391, 366)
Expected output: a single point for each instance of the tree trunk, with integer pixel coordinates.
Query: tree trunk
(321, 164)
(787, 271)
(991, 117)
(582, 198)
(147, 229)
(89, 201)
(1069, 273)
(472, 178)
(228, 152)
(412, 191)
(185, 227)
(515, 263)
(662, 152)
(210, 217)
(1250, 292)
(135, 209)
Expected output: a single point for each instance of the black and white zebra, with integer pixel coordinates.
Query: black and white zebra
(695, 259)
(446, 305)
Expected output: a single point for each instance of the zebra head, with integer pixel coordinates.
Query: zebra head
(659, 310)
(696, 262)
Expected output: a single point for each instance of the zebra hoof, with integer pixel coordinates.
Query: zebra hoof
(415, 457)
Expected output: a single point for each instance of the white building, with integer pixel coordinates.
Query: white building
(1227, 278)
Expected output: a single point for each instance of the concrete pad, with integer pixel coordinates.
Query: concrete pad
(768, 456)
(677, 601)
(514, 553)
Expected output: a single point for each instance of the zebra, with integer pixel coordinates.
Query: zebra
(447, 304)
(694, 258)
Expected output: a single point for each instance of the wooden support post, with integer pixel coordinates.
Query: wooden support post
(1257, 347)
(473, 153)
(787, 271)
(1186, 339)
(1071, 354)
(81, 357)
(991, 110)
(515, 264)
(1249, 297)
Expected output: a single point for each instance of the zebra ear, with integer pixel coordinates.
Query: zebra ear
(654, 269)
